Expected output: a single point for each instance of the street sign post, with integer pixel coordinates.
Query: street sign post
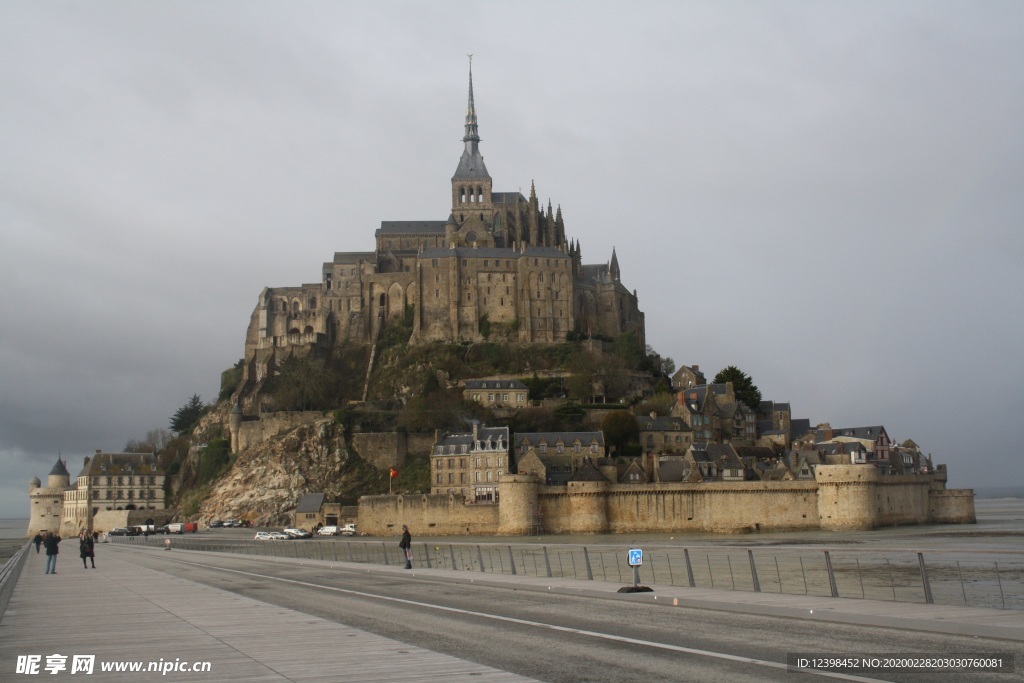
(636, 558)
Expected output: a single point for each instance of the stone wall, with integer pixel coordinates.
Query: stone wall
(380, 449)
(269, 425)
(954, 506)
(842, 497)
(723, 508)
(425, 515)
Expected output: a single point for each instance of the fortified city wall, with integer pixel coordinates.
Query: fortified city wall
(841, 497)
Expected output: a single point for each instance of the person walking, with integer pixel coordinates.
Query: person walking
(50, 542)
(87, 549)
(38, 540)
(406, 545)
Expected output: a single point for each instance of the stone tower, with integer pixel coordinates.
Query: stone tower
(46, 505)
(471, 184)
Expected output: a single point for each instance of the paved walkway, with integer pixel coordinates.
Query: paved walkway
(123, 612)
(249, 640)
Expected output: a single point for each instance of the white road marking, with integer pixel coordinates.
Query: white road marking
(542, 625)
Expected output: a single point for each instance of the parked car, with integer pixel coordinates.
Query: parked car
(297, 533)
(328, 531)
(263, 536)
(279, 536)
(162, 530)
(120, 531)
(347, 530)
(216, 524)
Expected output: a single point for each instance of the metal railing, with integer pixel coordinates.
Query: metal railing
(9, 576)
(943, 578)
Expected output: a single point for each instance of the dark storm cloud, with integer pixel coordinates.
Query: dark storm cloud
(826, 195)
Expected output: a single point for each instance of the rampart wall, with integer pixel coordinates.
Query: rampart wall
(841, 497)
(269, 425)
(429, 515)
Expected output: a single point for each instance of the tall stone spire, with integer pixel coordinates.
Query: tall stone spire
(471, 165)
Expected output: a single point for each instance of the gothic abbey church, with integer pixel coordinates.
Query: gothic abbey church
(499, 268)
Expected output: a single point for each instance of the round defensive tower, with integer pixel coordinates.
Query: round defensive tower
(46, 505)
(845, 495)
(517, 505)
(234, 426)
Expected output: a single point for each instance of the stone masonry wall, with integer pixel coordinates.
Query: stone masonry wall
(253, 432)
(425, 515)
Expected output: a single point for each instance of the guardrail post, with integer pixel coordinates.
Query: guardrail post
(586, 558)
(384, 549)
(512, 560)
(426, 554)
(924, 580)
(547, 561)
(480, 558)
(451, 552)
(753, 571)
(689, 569)
(831, 575)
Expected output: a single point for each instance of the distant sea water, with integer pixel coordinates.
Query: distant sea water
(12, 535)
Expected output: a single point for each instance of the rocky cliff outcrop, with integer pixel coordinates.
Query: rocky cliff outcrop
(267, 480)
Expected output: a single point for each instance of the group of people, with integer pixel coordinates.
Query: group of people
(51, 540)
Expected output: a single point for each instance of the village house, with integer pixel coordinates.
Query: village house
(496, 394)
(470, 463)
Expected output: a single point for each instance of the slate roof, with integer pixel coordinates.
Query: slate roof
(353, 257)
(662, 424)
(493, 252)
(494, 384)
(310, 502)
(121, 463)
(587, 472)
(671, 468)
(870, 432)
(60, 469)
(551, 438)
(799, 427)
(410, 228)
(507, 198)
(757, 452)
(484, 434)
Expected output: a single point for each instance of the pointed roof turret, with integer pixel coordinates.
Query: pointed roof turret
(613, 268)
(471, 165)
(60, 469)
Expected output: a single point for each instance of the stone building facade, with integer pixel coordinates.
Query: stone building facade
(112, 489)
(500, 268)
(470, 464)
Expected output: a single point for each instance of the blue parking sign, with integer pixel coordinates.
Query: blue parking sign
(636, 557)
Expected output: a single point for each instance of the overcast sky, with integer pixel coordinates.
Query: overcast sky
(829, 196)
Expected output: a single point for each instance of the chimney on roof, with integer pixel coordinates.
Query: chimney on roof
(476, 430)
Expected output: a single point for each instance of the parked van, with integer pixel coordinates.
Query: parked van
(176, 528)
(328, 531)
(348, 530)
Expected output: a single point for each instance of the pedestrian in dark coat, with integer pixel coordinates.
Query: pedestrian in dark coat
(406, 545)
(86, 549)
(38, 540)
(50, 542)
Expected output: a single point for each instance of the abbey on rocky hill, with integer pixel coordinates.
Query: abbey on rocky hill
(499, 268)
